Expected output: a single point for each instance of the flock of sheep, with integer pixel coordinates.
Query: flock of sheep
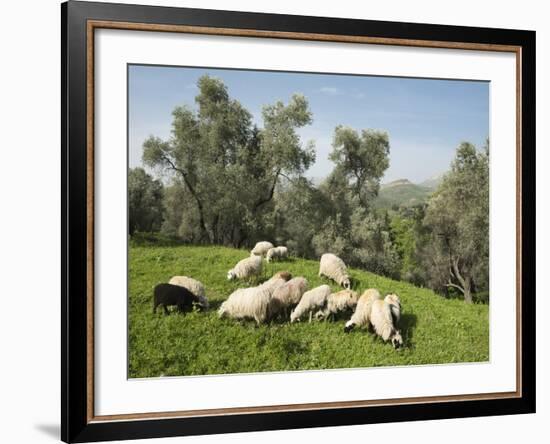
(282, 294)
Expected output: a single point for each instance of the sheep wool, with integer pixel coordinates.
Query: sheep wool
(255, 302)
(276, 253)
(261, 248)
(395, 305)
(194, 286)
(361, 316)
(247, 303)
(338, 302)
(334, 268)
(251, 266)
(311, 301)
(382, 321)
(291, 292)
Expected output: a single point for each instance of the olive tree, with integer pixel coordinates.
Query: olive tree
(458, 215)
(229, 167)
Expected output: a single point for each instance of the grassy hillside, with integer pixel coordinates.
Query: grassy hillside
(435, 330)
(402, 193)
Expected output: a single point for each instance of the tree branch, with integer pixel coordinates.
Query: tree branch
(271, 192)
(450, 284)
(457, 272)
(191, 190)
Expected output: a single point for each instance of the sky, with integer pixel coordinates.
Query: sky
(426, 119)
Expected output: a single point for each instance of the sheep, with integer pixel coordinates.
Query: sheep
(289, 294)
(334, 268)
(194, 286)
(261, 248)
(168, 294)
(254, 302)
(373, 311)
(277, 280)
(381, 319)
(361, 315)
(311, 300)
(247, 303)
(246, 268)
(276, 253)
(338, 302)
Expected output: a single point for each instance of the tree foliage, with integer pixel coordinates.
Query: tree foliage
(361, 159)
(144, 201)
(229, 167)
(458, 217)
(234, 182)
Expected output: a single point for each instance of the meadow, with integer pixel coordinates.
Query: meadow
(435, 330)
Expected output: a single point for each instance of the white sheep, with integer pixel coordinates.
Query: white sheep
(373, 311)
(290, 293)
(382, 320)
(312, 300)
(261, 248)
(361, 315)
(276, 253)
(246, 268)
(254, 302)
(277, 280)
(247, 303)
(194, 286)
(338, 302)
(334, 268)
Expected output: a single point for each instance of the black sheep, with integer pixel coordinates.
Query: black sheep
(168, 294)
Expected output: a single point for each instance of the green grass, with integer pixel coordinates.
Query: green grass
(435, 330)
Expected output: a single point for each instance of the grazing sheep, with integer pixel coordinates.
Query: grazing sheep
(246, 268)
(168, 294)
(290, 293)
(193, 286)
(311, 301)
(372, 310)
(361, 316)
(338, 302)
(381, 319)
(247, 303)
(261, 248)
(276, 253)
(334, 268)
(395, 306)
(277, 280)
(254, 302)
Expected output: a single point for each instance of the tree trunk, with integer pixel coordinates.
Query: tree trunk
(467, 290)
(465, 282)
(204, 231)
(265, 200)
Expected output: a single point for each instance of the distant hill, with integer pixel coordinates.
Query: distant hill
(402, 192)
(433, 182)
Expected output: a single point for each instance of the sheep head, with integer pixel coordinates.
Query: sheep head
(396, 339)
(346, 283)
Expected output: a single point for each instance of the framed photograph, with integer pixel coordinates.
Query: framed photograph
(275, 221)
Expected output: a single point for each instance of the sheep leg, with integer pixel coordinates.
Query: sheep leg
(310, 315)
(166, 312)
(349, 326)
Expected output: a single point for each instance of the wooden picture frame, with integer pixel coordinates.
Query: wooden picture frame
(79, 22)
